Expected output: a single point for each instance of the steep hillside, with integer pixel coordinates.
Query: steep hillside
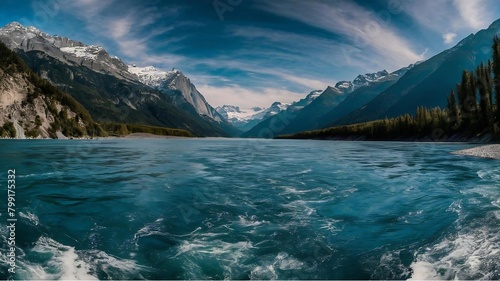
(428, 83)
(30, 107)
(307, 117)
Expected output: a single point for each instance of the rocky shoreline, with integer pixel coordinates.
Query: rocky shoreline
(491, 151)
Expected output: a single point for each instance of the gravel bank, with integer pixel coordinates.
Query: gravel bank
(487, 151)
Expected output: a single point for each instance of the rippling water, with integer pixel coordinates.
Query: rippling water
(251, 209)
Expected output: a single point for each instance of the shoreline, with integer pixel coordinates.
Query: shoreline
(491, 151)
(131, 136)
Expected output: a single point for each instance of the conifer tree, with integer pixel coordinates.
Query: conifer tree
(496, 72)
(484, 95)
(454, 111)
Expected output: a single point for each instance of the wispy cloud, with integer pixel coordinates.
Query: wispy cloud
(131, 29)
(449, 37)
(475, 13)
(452, 19)
(357, 25)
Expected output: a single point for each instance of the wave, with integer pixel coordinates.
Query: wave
(272, 270)
(202, 255)
(472, 255)
(39, 175)
(30, 217)
(51, 260)
(250, 221)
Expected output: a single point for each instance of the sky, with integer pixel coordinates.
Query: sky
(254, 52)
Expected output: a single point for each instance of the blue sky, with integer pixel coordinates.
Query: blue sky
(254, 52)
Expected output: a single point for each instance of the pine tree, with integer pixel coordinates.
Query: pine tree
(466, 98)
(454, 111)
(496, 72)
(484, 95)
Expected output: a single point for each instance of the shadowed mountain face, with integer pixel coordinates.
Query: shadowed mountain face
(428, 83)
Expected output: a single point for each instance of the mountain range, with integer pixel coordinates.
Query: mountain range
(112, 91)
(345, 96)
(379, 95)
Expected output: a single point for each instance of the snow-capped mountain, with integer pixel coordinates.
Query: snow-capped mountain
(242, 119)
(177, 85)
(319, 102)
(17, 36)
(246, 119)
(298, 105)
(230, 112)
(150, 75)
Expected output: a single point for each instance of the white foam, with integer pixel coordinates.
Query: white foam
(423, 271)
(64, 262)
(471, 255)
(300, 207)
(231, 256)
(282, 262)
(250, 221)
(30, 216)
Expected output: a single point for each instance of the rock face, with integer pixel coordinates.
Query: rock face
(31, 108)
(183, 94)
(180, 88)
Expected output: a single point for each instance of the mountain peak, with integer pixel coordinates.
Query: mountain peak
(13, 24)
(495, 24)
(17, 26)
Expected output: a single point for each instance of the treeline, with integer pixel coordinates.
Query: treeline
(473, 110)
(116, 129)
(8, 130)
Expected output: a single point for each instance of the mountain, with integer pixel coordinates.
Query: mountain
(32, 108)
(183, 94)
(428, 83)
(246, 119)
(305, 115)
(273, 124)
(356, 99)
(177, 85)
(330, 98)
(18, 37)
(106, 87)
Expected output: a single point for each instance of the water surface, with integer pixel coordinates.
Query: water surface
(251, 209)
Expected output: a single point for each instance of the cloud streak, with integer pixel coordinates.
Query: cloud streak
(365, 32)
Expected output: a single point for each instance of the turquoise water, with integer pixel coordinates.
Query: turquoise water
(250, 209)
